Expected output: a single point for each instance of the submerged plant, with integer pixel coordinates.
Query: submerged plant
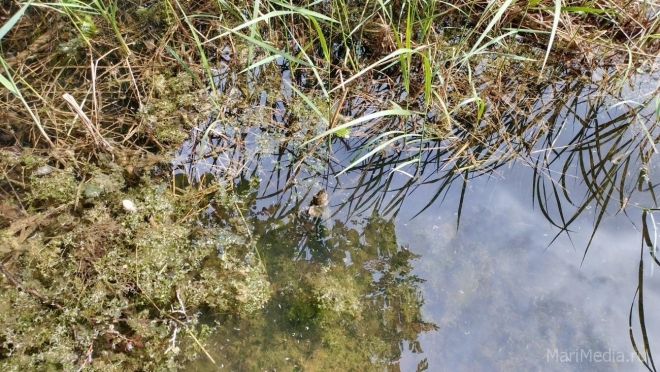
(115, 288)
(434, 91)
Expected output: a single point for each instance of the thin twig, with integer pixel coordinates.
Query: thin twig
(34, 292)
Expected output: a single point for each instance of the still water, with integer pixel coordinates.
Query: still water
(507, 303)
(461, 268)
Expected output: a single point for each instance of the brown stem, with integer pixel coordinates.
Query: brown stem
(34, 292)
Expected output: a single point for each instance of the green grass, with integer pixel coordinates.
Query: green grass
(8, 81)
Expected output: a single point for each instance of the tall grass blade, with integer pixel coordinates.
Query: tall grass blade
(253, 29)
(553, 33)
(309, 103)
(8, 81)
(375, 115)
(9, 85)
(378, 148)
(14, 19)
(381, 61)
(200, 48)
(271, 49)
(496, 18)
(185, 66)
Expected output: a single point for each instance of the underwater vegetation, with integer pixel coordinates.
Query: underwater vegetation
(133, 138)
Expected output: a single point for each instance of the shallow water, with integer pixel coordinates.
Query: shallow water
(500, 299)
(392, 279)
(508, 303)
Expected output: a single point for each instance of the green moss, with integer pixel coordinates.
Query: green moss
(336, 293)
(154, 13)
(58, 187)
(101, 184)
(176, 107)
(169, 133)
(124, 290)
(326, 315)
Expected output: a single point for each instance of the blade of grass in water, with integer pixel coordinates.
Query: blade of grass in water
(271, 49)
(387, 58)
(270, 15)
(311, 104)
(184, 65)
(375, 115)
(380, 147)
(253, 30)
(200, 48)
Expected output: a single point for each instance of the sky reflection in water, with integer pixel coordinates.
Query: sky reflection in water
(503, 297)
(504, 302)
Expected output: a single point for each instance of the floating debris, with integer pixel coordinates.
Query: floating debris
(320, 199)
(318, 204)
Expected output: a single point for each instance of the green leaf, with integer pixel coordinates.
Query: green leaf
(354, 122)
(9, 85)
(13, 20)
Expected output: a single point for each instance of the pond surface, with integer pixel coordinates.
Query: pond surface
(456, 269)
(507, 303)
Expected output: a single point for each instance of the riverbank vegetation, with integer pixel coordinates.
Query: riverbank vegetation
(121, 122)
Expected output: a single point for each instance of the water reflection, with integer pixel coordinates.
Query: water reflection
(522, 241)
(503, 302)
(345, 297)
